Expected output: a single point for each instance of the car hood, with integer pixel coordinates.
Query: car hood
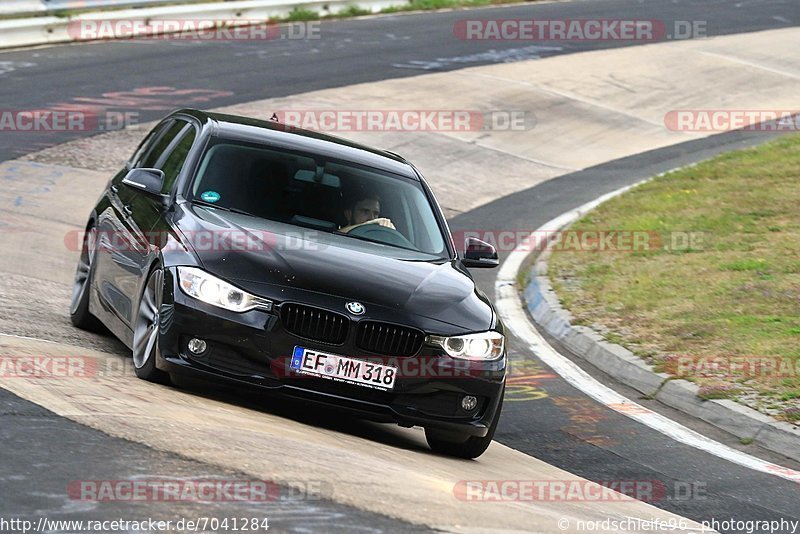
(258, 256)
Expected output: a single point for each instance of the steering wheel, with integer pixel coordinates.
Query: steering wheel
(382, 234)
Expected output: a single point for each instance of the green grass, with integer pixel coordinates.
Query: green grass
(736, 293)
(299, 14)
(718, 392)
(353, 11)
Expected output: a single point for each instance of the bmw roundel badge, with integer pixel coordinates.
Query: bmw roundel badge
(356, 308)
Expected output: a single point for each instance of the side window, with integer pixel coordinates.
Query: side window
(161, 144)
(147, 144)
(174, 162)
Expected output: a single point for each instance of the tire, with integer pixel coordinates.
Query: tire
(468, 447)
(146, 332)
(79, 312)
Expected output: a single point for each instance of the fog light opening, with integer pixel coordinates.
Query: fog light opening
(469, 403)
(197, 346)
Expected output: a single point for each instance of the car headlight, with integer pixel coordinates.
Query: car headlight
(200, 285)
(485, 346)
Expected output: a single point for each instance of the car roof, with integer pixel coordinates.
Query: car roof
(275, 133)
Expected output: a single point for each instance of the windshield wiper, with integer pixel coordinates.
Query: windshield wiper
(436, 259)
(384, 243)
(224, 208)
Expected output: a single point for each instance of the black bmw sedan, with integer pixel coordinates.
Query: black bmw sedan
(253, 252)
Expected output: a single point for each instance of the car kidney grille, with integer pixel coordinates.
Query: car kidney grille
(314, 323)
(388, 339)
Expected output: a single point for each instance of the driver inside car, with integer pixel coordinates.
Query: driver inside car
(364, 210)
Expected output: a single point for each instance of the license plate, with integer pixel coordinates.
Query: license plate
(343, 369)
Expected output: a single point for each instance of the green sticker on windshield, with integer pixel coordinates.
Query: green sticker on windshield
(209, 196)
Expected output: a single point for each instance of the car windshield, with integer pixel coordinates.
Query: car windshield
(360, 205)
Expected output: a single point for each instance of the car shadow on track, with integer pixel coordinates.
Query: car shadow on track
(252, 398)
(302, 412)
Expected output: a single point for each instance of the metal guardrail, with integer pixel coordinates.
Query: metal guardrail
(38, 30)
(21, 7)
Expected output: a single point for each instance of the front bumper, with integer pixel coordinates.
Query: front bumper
(253, 348)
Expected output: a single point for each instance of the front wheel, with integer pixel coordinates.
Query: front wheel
(464, 446)
(146, 331)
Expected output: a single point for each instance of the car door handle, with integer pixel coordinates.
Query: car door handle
(127, 210)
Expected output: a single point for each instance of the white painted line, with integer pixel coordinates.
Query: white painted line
(566, 95)
(750, 64)
(29, 338)
(520, 156)
(511, 310)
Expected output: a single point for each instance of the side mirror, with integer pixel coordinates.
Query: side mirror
(479, 253)
(147, 181)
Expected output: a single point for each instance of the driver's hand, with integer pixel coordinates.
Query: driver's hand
(382, 221)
